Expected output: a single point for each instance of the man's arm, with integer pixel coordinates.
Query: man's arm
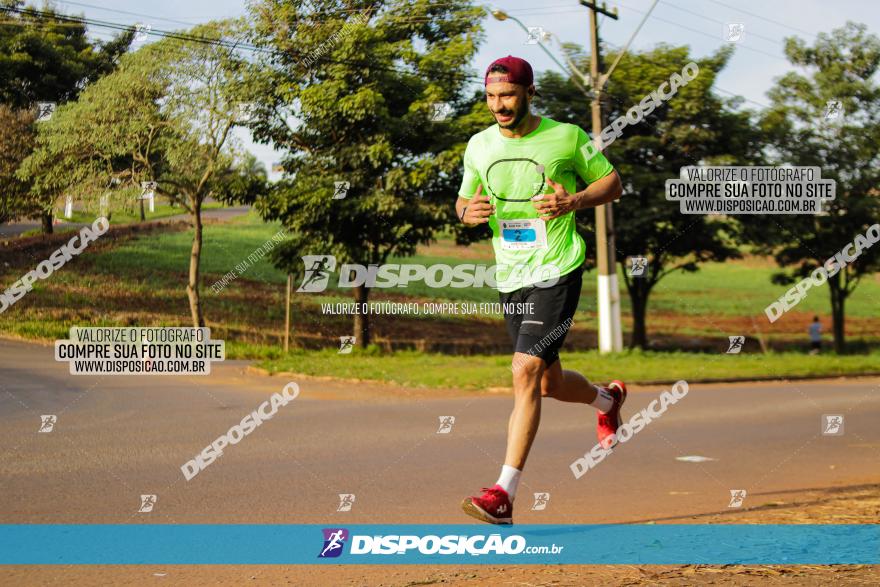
(600, 192)
(460, 204)
(475, 211)
(560, 202)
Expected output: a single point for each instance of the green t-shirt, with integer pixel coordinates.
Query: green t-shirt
(512, 171)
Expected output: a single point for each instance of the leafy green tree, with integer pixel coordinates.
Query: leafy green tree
(166, 115)
(47, 57)
(110, 137)
(207, 83)
(354, 84)
(802, 129)
(693, 127)
(16, 143)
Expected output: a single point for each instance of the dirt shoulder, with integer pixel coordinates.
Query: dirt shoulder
(857, 504)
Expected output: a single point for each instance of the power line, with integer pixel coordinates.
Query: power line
(541, 12)
(233, 45)
(182, 36)
(152, 18)
(652, 62)
(71, 21)
(776, 22)
(710, 19)
(50, 16)
(699, 32)
(338, 12)
(518, 10)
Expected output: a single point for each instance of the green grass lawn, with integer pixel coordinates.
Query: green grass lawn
(483, 371)
(717, 289)
(224, 245)
(128, 216)
(141, 281)
(58, 228)
(119, 217)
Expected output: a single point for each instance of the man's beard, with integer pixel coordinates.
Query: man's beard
(517, 117)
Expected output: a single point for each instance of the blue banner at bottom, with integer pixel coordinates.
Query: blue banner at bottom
(716, 544)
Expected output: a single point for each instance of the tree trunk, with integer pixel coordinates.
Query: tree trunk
(192, 289)
(638, 288)
(361, 319)
(838, 299)
(639, 301)
(46, 219)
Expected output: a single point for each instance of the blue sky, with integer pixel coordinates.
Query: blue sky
(699, 24)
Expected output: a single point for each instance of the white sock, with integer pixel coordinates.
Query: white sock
(603, 401)
(508, 480)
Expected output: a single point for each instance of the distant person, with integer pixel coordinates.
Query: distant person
(815, 336)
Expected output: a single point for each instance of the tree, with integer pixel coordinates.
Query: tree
(16, 142)
(693, 127)
(354, 85)
(840, 68)
(108, 137)
(166, 115)
(46, 57)
(207, 85)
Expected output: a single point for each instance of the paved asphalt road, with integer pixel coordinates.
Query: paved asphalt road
(119, 437)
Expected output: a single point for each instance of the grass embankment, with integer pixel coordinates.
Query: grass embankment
(119, 217)
(413, 369)
(134, 215)
(141, 281)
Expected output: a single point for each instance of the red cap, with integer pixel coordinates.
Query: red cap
(518, 72)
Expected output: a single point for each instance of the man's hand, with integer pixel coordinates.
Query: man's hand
(559, 203)
(478, 209)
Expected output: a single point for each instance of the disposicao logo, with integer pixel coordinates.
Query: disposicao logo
(316, 275)
(334, 540)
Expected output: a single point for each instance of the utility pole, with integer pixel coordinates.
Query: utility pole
(610, 331)
(287, 314)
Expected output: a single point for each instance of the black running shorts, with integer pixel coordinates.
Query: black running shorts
(539, 318)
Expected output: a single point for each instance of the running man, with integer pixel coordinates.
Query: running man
(519, 177)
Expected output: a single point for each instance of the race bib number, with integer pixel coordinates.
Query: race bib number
(520, 235)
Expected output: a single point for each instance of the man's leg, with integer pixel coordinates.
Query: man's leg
(571, 386)
(495, 505)
(523, 424)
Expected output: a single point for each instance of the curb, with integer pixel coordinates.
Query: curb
(261, 371)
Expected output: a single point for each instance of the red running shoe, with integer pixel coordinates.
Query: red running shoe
(608, 423)
(493, 506)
